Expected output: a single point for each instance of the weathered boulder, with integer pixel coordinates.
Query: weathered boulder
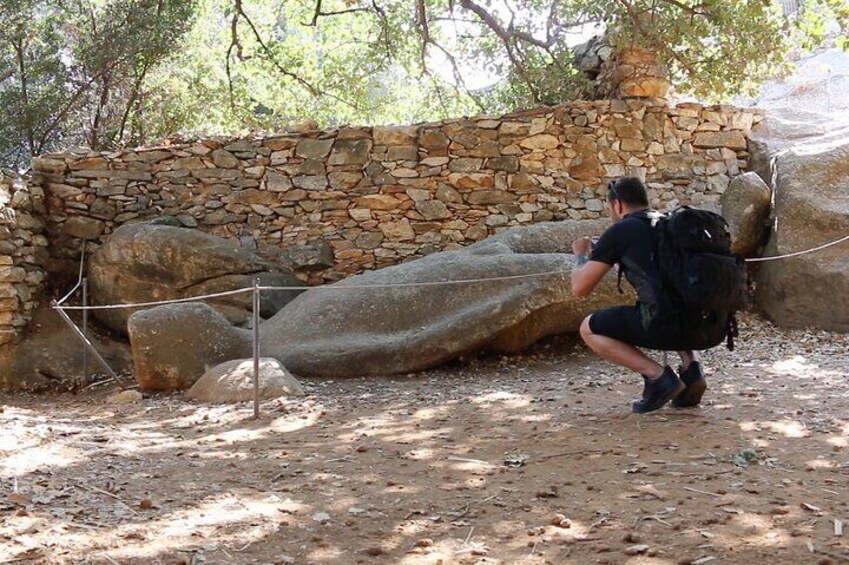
(146, 263)
(745, 204)
(232, 381)
(811, 208)
(784, 128)
(174, 344)
(365, 326)
(50, 356)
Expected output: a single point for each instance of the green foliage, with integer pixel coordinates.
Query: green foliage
(73, 71)
(714, 49)
(811, 24)
(395, 61)
(108, 73)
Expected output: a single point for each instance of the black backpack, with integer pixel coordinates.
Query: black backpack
(698, 271)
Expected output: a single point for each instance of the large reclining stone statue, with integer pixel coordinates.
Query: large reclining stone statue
(365, 326)
(358, 327)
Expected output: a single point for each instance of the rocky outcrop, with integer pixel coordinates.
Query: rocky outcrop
(146, 263)
(782, 129)
(746, 206)
(175, 344)
(374, 324)
(811, 208)
(232, 381)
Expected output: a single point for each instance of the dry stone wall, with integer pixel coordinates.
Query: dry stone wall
(377, 196)
(23, 253)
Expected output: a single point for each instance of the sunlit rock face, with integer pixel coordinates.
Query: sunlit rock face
(811, 208)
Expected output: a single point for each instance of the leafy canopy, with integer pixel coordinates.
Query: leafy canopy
(108, 73)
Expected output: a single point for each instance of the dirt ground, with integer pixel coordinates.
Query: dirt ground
(532, 459)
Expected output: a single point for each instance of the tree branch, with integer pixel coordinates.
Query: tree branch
(313, 90)
(427, 39)
(318, 13)
(101, 103)
(384, 27)
(552, 16)
(694, 10)
(506, 37)
(504, 33)
(425, 31)
(234, 44)
(67, 108)
(22, 68)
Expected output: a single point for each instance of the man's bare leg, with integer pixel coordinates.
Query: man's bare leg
(694, 380)
(688, 357)
(620, 353)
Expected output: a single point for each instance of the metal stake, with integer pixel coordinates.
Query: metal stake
(256, 345)
(828, 92)
(85, 329)
(88, 344)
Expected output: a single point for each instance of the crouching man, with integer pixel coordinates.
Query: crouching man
(653, 323)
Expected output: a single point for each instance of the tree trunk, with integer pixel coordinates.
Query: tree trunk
(95, 126)
(27, 115)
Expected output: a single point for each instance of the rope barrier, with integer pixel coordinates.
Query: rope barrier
(798, 253)
(302, 288)
(59, 305)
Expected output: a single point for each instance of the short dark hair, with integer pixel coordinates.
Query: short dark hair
(628, 190)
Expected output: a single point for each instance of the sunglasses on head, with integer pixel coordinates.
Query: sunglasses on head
(611, 187)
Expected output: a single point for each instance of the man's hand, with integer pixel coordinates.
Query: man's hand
(581, 246)
(586, 274)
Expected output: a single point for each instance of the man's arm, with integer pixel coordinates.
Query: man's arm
(585, 277)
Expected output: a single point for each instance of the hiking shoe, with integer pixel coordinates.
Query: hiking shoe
(694, 380)
(659, 392)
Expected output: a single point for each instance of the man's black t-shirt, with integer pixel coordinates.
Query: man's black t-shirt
(630, 242)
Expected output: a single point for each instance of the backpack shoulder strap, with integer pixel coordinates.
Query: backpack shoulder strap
(651, 216)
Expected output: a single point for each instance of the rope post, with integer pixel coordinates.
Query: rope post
(256, 346)
(85, 328)
(828, 92)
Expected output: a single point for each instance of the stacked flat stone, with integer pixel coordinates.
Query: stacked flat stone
(633, 73)
(379, 196)
(23, 253)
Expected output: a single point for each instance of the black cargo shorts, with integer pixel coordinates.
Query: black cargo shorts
(662, 331)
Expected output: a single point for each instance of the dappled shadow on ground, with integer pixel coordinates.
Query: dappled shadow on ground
(532, 459)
